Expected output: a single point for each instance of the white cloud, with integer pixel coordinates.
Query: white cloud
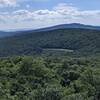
(62, 13)
(14, 3)
(6, 3)
(63, 8)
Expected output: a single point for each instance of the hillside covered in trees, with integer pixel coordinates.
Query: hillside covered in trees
(27, 43)
(59, 64)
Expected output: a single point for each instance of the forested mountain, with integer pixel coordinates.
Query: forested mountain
(62, 26)
(30, 42)
(55, 75)
(72, 25)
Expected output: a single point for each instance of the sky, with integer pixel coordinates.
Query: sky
(33, 14)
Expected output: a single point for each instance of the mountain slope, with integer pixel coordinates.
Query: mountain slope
(72, 25)
(78, 40)
(62, 26)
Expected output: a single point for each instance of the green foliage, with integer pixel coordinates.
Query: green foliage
(49, 78)
(77, 40)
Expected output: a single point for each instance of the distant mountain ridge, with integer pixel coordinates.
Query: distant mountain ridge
(72, 25)
(61, 26)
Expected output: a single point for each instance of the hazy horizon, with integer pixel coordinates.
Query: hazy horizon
(28, 29)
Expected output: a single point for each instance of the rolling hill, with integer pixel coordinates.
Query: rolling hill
(67, 26)
(62, 26)
(30, 42)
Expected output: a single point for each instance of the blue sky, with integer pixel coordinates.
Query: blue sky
(32, 14)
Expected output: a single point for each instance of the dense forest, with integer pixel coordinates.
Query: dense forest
(78, 40)
(59, 64)
(50, 78)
